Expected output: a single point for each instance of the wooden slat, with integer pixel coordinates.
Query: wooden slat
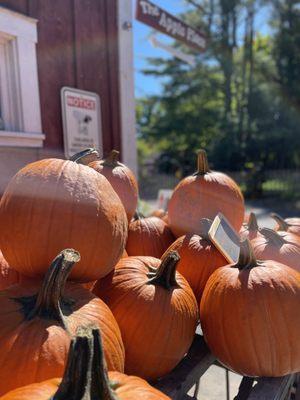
(272, 388)
(188, 372)
(20, 6)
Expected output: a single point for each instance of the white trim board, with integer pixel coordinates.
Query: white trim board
(21, 139)
(126, 82)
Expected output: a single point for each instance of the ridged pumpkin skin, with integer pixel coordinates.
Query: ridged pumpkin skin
(283, 247)
(291, 225)
(121, 179)
(148, 237)
(204, 195)
(34, 342)
(199, 258)
(251, 321)
(157, 324)
(126, 388)
(8, 276)
(53, 204)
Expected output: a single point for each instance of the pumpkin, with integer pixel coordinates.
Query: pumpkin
(36, 323)
(204, 195)
(86, 377)
(291, 225)
(157, 314)
(148, 237)
(199, 258)
(250, 316)
(53, 204)
(250, 228)
(283, 247)
(159, 213)
(8, 276)
(121, 179)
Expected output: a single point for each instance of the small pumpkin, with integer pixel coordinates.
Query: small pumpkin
(86, 377)
(283, 247)
(159, 213)
(8, 276)
(148, 237)
(250, 229)
(250, 316)
(291, 225)
(199, 258)
(203, 195)
(54, 204)
(121, 179)
(157, 316)
(36, 323)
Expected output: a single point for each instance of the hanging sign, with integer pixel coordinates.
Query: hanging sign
(154, 16)
(82, 125)
(189, 59)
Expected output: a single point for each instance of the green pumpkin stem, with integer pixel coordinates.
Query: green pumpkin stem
(85, 375)
(204, 227)
(165, 275)
(49, 301)
(202, 163)
(112, 159)
(86, 156)
(247, 259)
(252, 223)
(272, 236)
(282, 224)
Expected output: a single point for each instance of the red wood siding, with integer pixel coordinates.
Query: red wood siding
(77, 47)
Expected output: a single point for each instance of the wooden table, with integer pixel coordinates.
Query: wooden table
(187, 374)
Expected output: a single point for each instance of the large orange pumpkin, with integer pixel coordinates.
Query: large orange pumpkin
(250, 316)
(148, 237)
(204, 195)
(36, 323)
(86, 377)
(250, 229)
(199, 258)
(53, 204)
(283, 247)
(291, 225)
(122, 180)
(157, 314)
(8, 276)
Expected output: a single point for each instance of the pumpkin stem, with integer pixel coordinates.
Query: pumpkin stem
(247, 258)
(252, 223)
(202, 163)
(165, 275)
(49, 301)
(283, 225)
(85, 375)
(205, 224)
(112, 159)
(86, 156)
(273, 236)
(138, 215)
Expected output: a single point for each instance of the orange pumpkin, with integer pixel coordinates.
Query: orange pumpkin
(54, 204)
(250, 316)
(157, 316)
(8, 276)
(86, 377)
(204, 195)
(159, 213)
(199, 258)
(148, 237)
(291, 225)
(36, 323)
(121, 179)
(283, 247)
(250, 229)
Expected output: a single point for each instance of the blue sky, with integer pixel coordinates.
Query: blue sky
(146, 85)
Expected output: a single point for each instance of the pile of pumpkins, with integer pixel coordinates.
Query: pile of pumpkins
(89, 285)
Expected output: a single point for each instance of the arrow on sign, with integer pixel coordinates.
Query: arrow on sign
(191, 60)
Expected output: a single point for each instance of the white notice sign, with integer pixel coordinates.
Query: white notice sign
(81, 120)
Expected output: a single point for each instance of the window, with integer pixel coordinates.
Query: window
(20, 117)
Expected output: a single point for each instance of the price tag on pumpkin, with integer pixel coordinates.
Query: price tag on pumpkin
(225, 238)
